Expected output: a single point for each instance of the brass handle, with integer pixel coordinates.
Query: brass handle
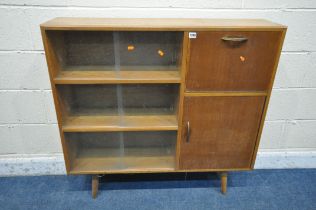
(188, 132)
(234, 39)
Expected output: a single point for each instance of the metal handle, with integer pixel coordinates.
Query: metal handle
(234, 39)
(188, 132)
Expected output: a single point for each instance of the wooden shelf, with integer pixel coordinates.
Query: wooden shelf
(120, 123)
(90, 161)
(126, 75)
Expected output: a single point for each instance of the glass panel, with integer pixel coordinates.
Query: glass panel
(149, 48)
(88, 48)
(119, 99)
(149, 99)
(122, 151)
(89, 99)
(93, 151)
(149, 149)
(117, 51)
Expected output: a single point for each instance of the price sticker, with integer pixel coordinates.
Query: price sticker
(192, 35)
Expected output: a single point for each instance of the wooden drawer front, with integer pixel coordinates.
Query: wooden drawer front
(216, 64)
(222, 131)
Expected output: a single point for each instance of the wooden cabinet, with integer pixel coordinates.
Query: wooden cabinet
(160, 95)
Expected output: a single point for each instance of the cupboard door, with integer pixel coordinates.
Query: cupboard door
(219, 132)
(232, 60)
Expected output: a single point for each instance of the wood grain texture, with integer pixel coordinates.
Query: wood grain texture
(160, 170)
(224, 93)
(98, 160)
(120, 123)
(117, 77)
(223, 131)
(159, 24)
(216, 65)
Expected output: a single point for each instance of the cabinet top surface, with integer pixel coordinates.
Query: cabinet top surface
(171, 24)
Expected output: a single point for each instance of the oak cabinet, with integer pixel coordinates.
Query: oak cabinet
(160, 95)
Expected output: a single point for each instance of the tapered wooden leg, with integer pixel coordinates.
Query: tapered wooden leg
(223, 182)
(95, 185)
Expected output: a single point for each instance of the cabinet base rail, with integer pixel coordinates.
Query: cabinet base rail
(96, 178)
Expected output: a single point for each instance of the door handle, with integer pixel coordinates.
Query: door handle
(188, 132)
(234, 39)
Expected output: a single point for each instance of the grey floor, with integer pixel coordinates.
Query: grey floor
(258, 189)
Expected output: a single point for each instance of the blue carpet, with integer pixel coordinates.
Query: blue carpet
(258, 189)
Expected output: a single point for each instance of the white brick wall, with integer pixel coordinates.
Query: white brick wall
(27, 117)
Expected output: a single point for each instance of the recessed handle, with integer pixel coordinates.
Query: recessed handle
(188, 132)
(235, 39)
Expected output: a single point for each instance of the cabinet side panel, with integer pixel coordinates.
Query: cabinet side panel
(280, 44)
(52, 69)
